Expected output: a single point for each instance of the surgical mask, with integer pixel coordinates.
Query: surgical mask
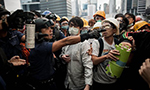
(84, 31)
(99, 21)
(130, 25)
(73, 31)
(65, 27)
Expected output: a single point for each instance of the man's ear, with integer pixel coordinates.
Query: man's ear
(80, 29)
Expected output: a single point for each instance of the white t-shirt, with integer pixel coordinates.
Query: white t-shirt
(100, 75)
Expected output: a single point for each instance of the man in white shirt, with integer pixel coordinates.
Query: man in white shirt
(101, 79)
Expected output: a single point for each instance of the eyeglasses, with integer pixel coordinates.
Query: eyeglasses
(64, 23)
(106, 27)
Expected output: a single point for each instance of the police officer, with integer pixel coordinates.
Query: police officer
(57, 33)
(9, 39)
(41, 57)
(10, 44)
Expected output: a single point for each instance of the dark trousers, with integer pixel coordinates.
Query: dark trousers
(75, 89)
(2, 84)
(33, 84)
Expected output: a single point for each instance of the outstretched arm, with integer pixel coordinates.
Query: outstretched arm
(66, 41)
(73, 40)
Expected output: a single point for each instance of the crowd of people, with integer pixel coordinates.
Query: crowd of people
(72, 54)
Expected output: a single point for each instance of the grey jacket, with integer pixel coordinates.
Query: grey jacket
(79, 69)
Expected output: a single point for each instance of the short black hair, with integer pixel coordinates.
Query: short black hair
(77, 21)
(132, 15)
(119, 15)
(125, 20)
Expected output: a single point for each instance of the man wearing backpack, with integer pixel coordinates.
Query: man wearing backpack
(103, 52)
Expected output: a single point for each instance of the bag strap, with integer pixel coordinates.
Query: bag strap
(116, 40)
(100, 51)
(101, 46)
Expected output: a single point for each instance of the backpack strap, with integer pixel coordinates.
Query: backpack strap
(100, 51)
(101, 46)
(116, 40)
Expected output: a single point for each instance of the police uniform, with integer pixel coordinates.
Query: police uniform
(42, 66)
(11, 44)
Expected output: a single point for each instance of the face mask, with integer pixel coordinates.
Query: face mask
(130, 25)
(84, 31)
(73, 31)
(99, 21)
(123, 26)
(64, 27)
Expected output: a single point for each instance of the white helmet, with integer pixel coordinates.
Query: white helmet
(113, 21)
(97, 25)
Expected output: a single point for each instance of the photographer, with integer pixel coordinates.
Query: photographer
(10, 44)
(123, 23)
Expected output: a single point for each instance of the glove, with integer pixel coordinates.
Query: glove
(92, 34)
(40, 36)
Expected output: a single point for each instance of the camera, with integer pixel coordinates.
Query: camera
(19, 18)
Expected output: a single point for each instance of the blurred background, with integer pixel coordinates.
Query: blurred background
(82, 8)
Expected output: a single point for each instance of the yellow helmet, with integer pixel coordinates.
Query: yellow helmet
(65, 18)
(58, 18)
(85, 22)
(140, 24)
(100, 13)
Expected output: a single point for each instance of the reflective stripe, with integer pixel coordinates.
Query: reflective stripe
(120, 63)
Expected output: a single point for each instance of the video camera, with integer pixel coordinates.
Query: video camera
(19, 18)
